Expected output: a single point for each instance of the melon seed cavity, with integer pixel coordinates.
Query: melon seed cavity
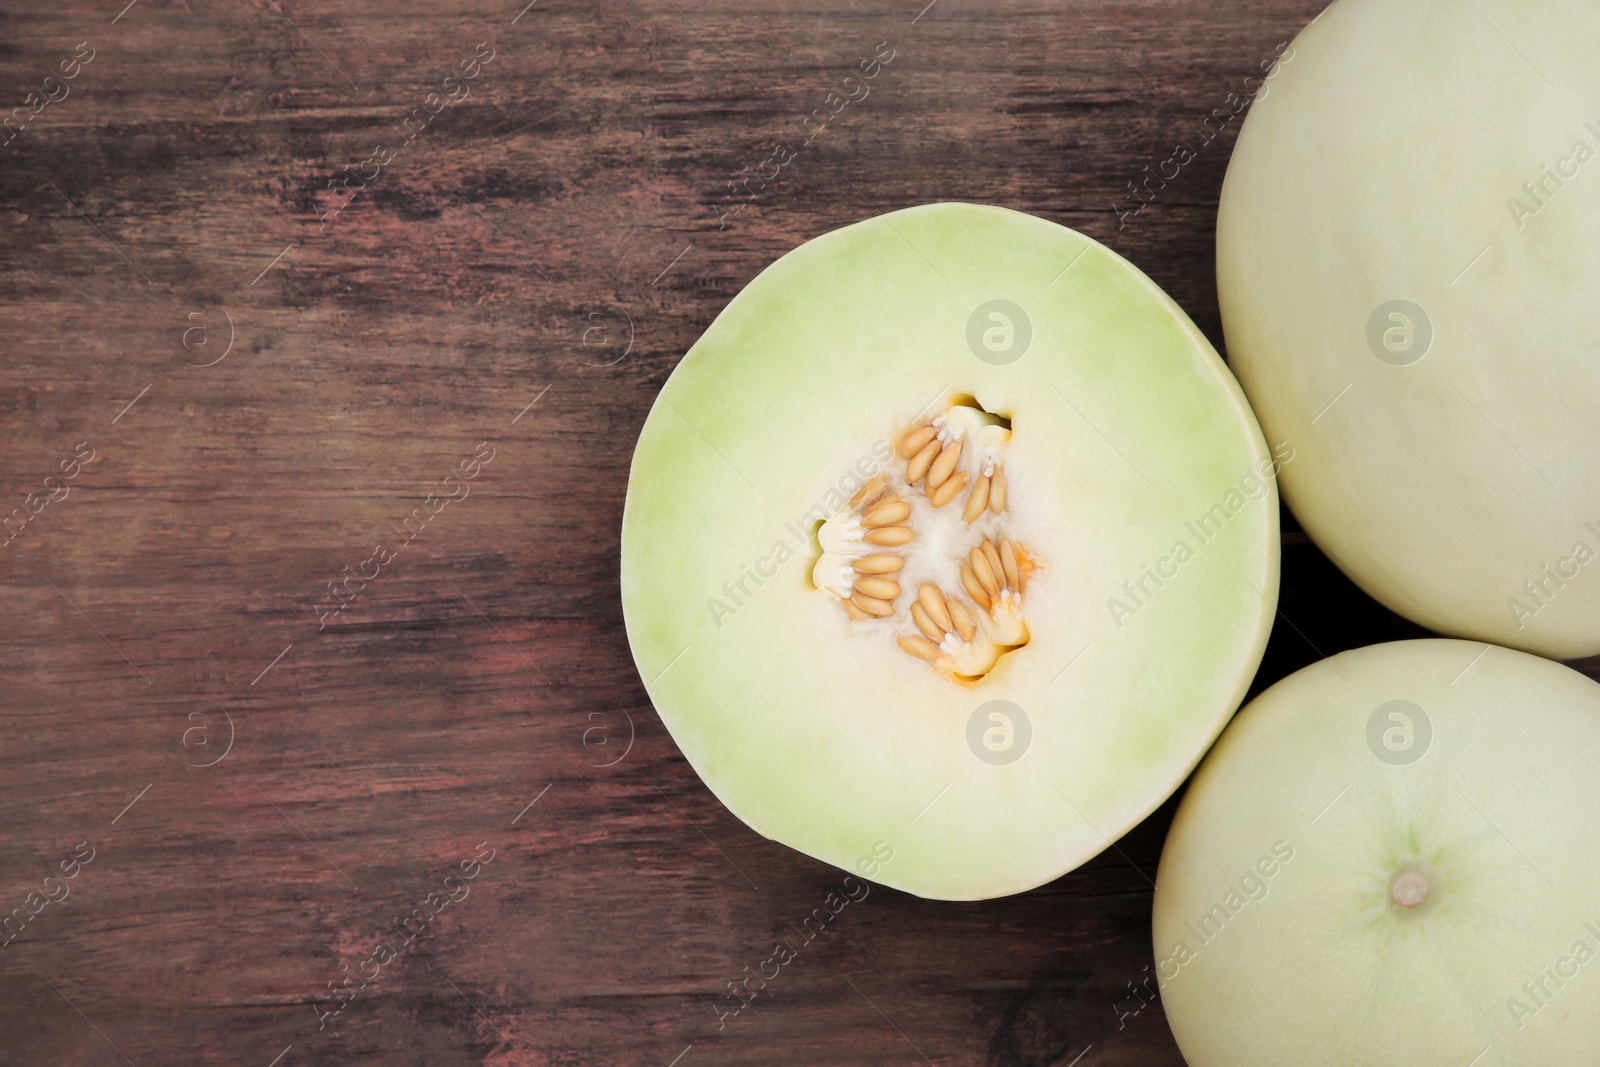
(935, 566)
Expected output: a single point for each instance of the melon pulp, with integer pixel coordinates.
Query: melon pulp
(1390, 858)
(951, 541)
(1407, 266)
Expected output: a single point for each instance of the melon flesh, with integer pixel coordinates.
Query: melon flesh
(1125, 430)
(1444, 154)
(1350, 881)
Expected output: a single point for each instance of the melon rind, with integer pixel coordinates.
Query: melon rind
(1454, 481)
(1128, 427)
(1309, 964)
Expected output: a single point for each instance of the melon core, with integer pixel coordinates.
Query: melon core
(1390, 857)
(1408, 258)
(953, 541)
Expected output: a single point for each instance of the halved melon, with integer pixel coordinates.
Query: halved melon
(1391, 858)
(1407, 266)
(952, 541)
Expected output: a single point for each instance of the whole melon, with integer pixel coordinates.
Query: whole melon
(1408, 263)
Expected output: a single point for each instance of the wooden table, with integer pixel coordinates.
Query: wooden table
(287, 266)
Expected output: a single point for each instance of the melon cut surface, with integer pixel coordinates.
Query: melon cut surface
(1390, 857)
(952, 541)
(1407, 267)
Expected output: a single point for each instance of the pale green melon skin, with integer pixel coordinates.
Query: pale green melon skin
(1378, 165)
(1318, 967)
(834, 744)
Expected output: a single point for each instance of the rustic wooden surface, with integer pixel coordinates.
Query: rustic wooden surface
(272, 376)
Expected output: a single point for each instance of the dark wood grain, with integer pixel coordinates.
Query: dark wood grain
(558, 238)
